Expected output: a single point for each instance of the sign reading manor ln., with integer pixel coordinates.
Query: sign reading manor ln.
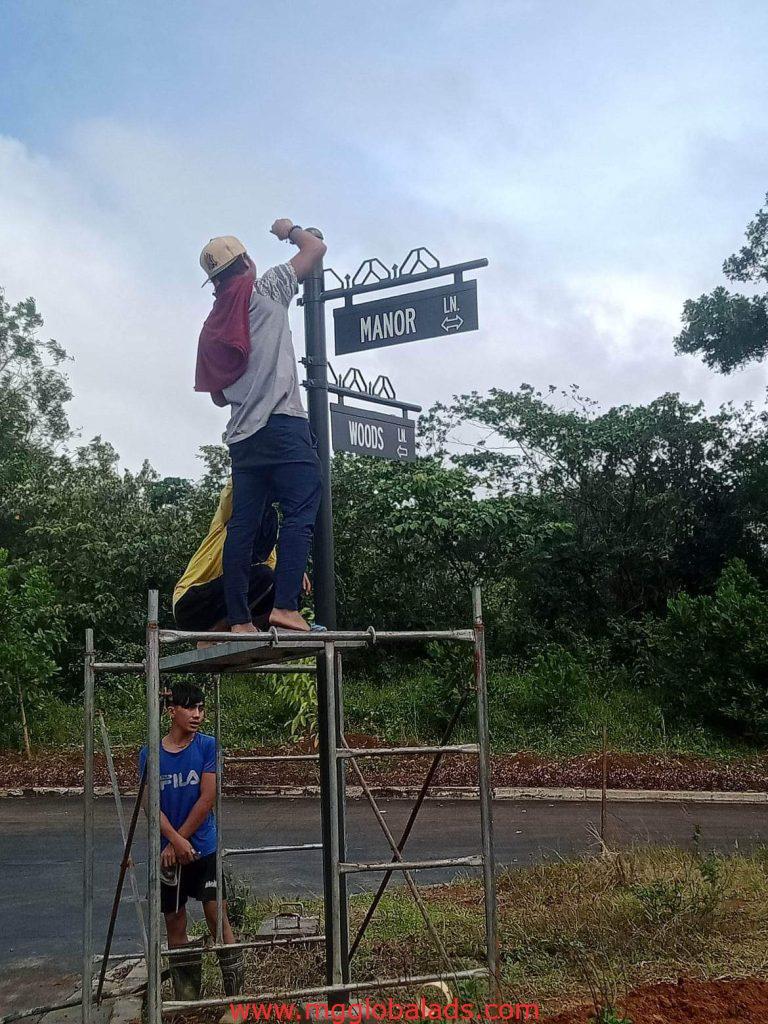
(430, 313)
(365, 432)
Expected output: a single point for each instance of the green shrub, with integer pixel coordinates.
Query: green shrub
(709, 656)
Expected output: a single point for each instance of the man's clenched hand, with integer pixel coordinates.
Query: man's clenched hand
(282, 228)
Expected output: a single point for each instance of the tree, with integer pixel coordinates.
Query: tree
(33, 419)
(104, 539)
(33, 390)
(411, 539)
(632, 504)
(29, 619)
(727, 329)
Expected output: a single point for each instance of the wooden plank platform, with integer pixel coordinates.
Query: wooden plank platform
(239, 655)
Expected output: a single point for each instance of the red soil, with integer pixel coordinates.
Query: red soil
(687, 1002)
(625, 771)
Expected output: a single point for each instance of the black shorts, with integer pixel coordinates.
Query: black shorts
(203, 605)
(198, 880)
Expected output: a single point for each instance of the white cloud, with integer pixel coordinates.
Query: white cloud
(113, 296)
(106, 238)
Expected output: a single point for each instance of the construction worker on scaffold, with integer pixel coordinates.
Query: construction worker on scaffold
(246, 360)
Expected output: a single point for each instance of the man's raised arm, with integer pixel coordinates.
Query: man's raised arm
(311, 248)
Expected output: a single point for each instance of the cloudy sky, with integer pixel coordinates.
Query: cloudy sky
(604, 156)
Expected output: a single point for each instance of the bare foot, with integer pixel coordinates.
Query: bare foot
(284, 618)
(244, 627)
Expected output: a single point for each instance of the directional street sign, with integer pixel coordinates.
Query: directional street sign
(431, 313)
(363, 432)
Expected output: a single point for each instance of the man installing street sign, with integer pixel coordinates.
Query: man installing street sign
(245, 359)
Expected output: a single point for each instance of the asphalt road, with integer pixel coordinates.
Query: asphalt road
(41, 843)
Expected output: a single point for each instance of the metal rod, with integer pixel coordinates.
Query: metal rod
(287, 940)
(154, 995)
(399, 282)
(333, 811)
(297, 993)
(213, 947)
(219, 783)
(88, 717)
(98, 957)
(281, 668)
(118, 666)
(271, 757)
(327, 765)
(341, 788)
(316, 360)
(411, 821)
(353, 867)
(119, 887)
(410, 882)
(363, 396)
(239, 851)
(123, 831)
(486, 809)
(459, 748)
(293, 638)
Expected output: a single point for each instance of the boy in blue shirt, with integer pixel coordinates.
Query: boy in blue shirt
(189, 840)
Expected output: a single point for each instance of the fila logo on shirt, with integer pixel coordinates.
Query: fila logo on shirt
(178, 781)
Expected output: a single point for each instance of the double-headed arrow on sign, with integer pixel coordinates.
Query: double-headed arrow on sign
(452, 323)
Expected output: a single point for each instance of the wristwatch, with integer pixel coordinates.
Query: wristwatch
(294, 228)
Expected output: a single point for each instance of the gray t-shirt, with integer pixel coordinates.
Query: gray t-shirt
(270, 383)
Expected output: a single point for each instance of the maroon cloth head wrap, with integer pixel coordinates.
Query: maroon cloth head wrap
(225, 340)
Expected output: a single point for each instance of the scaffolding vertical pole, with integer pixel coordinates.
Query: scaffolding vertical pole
(484, 781)
(334, 851)
(154, 994)
(219, 840)
(341, 789)
(88, 709)
(316, 362)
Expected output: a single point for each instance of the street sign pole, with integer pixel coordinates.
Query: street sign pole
(431, 313)
(317, 400)
(324, 582)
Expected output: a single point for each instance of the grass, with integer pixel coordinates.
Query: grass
(578, 931)
(550, 710)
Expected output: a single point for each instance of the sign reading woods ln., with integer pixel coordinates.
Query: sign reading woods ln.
(364, 432)
(430, 313)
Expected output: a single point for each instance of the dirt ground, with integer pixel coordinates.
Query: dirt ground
(625, 771)
(32, 984)
(744, 1001)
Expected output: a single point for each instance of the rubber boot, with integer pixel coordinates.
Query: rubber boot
(187, 971)
(232, 964)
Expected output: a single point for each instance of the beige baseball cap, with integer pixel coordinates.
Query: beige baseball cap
(219, 253)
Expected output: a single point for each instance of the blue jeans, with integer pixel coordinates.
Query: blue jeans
(277, 463)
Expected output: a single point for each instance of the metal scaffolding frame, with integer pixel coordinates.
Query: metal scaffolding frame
(267, 654)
